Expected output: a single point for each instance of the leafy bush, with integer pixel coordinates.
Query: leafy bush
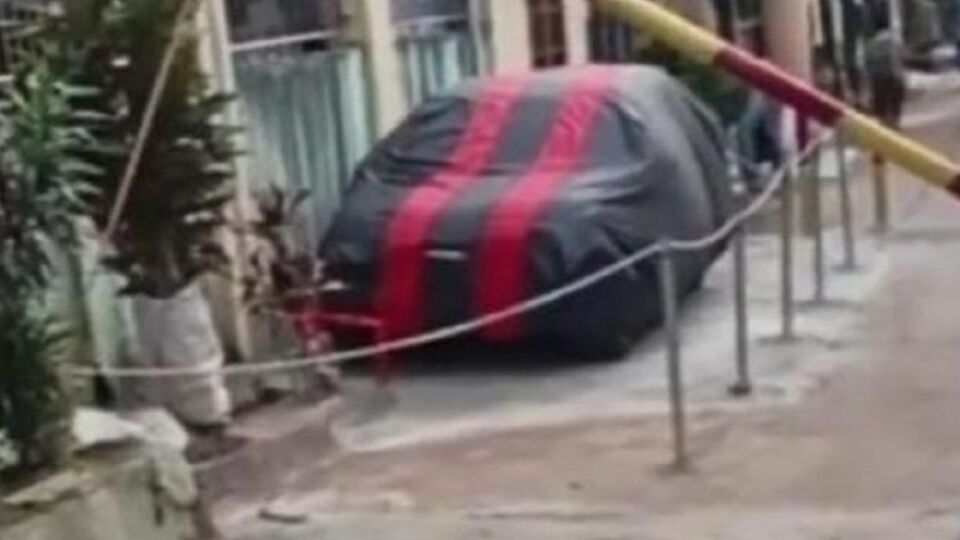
(43, 185)
(277, 266)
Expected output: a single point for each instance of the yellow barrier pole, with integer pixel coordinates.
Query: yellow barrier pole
(703, 46)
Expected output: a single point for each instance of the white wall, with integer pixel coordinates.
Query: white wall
(577, 15)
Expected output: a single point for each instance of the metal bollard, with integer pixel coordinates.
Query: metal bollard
(881, 195)
(846, 205)
(819, 258)
(743, 385)
(786, 255)
(668, 291)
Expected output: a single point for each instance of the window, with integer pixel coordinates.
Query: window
(303, 91)
(424, 18)
(741, 21)
(410, 11)
(440, 43)
(749, 25)
(612, 41)
(258, 20)
(548, 33)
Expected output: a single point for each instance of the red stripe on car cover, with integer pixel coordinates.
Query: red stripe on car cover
(400, 293)
(781, 85)
(503, 271)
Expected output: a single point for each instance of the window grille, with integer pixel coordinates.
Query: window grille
(548, 33)
(258, 24)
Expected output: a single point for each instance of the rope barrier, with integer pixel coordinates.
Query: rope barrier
(472, 325)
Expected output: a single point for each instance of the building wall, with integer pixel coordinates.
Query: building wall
(510, 35)
(506, 25)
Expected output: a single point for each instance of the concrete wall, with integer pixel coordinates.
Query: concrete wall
(112, 500)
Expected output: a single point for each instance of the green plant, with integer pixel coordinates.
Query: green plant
(33, 405)
(170, 229)
(277, 266)
(44, 182)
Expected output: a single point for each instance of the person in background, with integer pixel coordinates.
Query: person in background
(886, 72)
(856, 19)
(758, 140)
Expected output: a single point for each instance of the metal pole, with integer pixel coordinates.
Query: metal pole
(819, 260)
(881, 195)
(668, 290)
(786, 246)
(743, 386)
(846, 204)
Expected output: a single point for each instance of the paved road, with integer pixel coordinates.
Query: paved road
(854, 433)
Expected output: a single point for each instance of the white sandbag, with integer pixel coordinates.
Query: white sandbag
(179, 332)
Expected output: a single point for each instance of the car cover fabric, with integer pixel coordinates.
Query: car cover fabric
(505, 188)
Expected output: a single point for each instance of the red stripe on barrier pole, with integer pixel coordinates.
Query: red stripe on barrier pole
(954, 187)
(504, 250)
(401, 291)
(793, 91)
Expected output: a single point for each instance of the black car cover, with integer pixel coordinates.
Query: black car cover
(505, 188)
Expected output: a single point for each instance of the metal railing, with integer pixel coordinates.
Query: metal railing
(782, 185)
(406, 11)
(612, 40)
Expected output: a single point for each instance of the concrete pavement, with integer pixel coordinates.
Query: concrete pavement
(853, 433)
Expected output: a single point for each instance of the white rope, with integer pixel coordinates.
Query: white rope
(149, 116)
(473, 325)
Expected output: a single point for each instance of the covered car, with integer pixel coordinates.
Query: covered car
(505, 188)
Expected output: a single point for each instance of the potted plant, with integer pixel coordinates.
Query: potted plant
(44, 183)
(284, 285)
(170, 229)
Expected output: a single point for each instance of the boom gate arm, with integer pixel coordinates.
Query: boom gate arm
(705, 47)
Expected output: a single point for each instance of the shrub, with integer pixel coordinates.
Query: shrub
(43, 185)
